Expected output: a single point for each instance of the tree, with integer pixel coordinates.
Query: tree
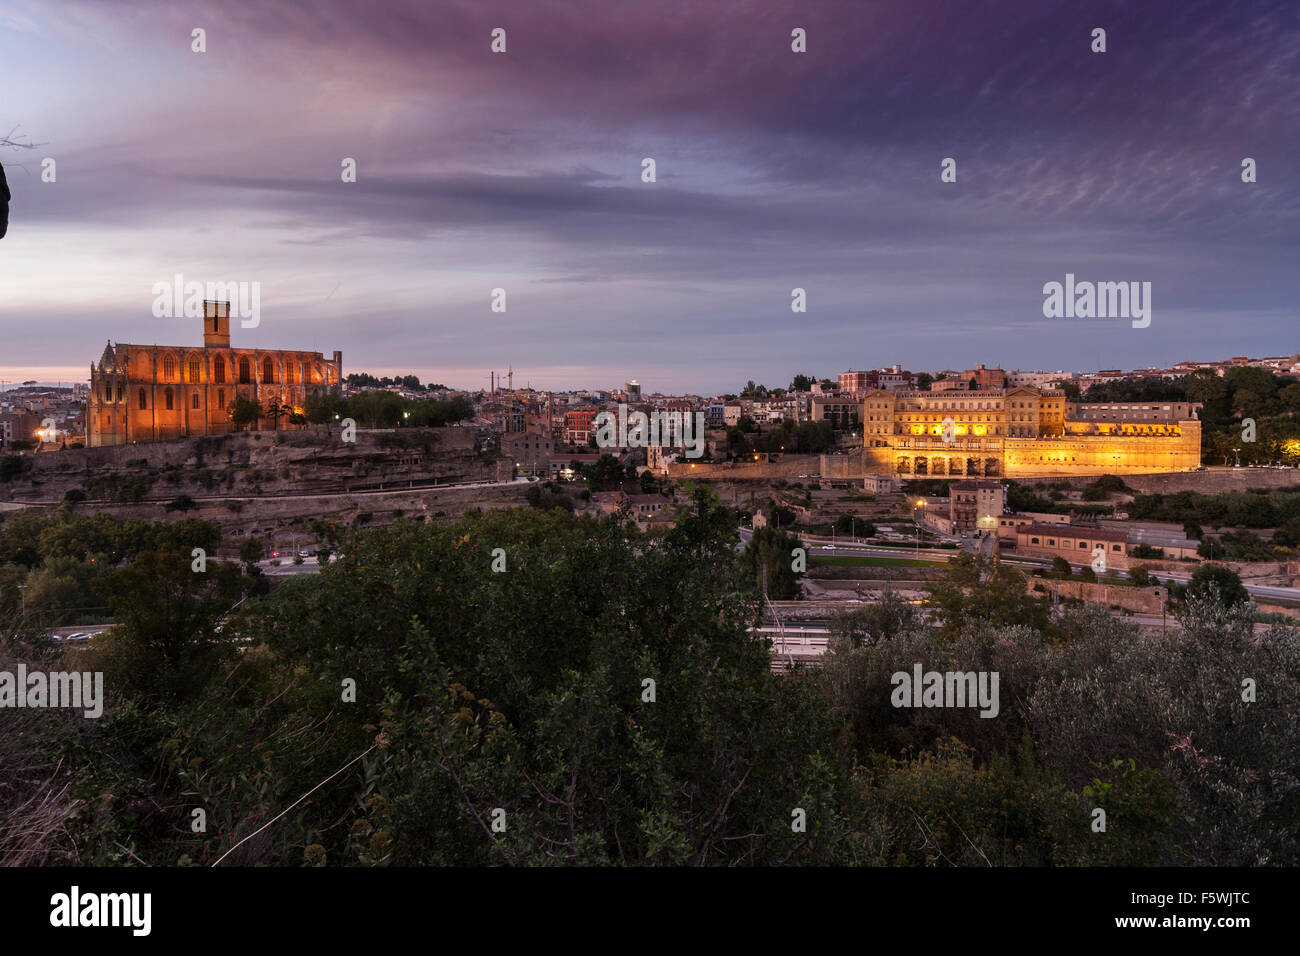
(1061, 567)
(1205, 386)
(275, 411)
(1288, 533)
(976, 590)
(329, 407)
(1289, 398)
(1252, 390)
(738, 445)
(12, 465)
(873, 623)
(801, 383)
(243, 412)
(1217, 580)
(853, 525)
(1193, 530)
(545, 498)
(251, 550)
(1139, 575)
(769, 563)
(167, 642)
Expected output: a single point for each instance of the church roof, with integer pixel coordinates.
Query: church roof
(108, 359)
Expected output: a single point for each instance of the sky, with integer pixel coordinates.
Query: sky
(774, 170)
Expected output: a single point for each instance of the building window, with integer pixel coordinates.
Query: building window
(1083, 544)
(195, 369)
(221, 398)
(1116, 548)
(169, 368)
(169, 398)
(144, 399)
(121, 391)
(268, 371)
(194, 399)
(1033, 541)
(288, 373)
(1051, 542)
(218, 369)
(245, 371)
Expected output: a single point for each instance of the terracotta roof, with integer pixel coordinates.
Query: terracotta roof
(1075, 531)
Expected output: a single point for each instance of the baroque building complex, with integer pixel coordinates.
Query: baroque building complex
(155, 392)
(1024, 431)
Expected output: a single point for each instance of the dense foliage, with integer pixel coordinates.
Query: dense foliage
(527, 686)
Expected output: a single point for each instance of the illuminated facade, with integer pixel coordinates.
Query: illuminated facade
(159, 392)
(1022, 432)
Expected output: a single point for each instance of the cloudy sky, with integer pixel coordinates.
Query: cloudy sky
(775, 170)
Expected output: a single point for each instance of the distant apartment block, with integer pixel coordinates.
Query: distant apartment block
(579, 424)
(843, 412)
(1038, 379)
(976, 504)
(857, 382)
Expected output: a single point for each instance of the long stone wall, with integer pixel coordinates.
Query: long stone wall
(790, 466)
(1216, 480)
(1148, 600)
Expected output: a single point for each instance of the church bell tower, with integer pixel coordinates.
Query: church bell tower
(216, 324)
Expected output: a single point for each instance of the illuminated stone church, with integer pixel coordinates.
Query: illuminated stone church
(142, 393)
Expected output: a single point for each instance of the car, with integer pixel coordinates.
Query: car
(304, 553)
(78, 638)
